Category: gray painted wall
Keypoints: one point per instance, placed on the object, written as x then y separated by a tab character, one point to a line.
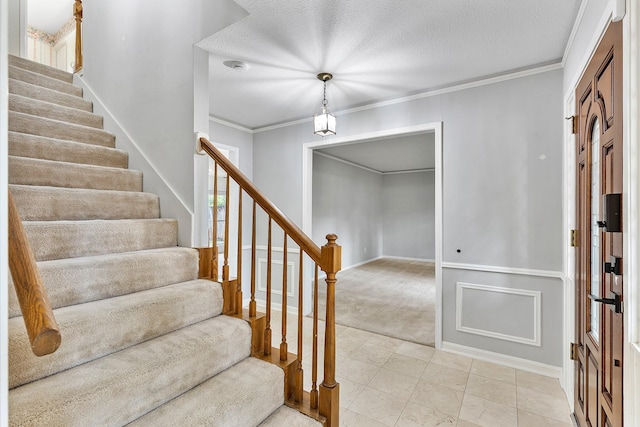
145	77
408	206
347	201
502	186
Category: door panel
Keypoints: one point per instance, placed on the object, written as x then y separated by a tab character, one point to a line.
599	157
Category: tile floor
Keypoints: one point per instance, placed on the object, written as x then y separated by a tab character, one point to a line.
390	382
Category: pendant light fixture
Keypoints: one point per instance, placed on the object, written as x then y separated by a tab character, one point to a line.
324	123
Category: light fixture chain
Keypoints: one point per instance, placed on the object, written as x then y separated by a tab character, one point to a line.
324	98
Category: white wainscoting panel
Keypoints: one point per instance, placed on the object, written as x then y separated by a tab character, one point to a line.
503	313
292	280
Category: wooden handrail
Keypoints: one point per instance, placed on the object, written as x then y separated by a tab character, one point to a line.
77	13
39	320
292	230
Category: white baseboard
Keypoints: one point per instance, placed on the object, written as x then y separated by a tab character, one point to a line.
504	360
403	258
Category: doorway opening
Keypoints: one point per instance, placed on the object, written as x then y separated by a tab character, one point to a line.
426	131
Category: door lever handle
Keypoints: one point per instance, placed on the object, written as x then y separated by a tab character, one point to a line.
615	301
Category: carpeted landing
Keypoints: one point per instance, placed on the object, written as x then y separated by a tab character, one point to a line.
387	296
143	339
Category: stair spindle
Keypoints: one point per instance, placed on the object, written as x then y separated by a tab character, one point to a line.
252	304
314	357
267	330
214	226
239	268
225	266
299	372
283	345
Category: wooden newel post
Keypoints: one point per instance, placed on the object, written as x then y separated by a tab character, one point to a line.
331	257
77	13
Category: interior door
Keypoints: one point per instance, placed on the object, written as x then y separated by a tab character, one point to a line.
599	323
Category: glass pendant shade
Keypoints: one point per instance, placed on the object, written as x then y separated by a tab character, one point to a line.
324	123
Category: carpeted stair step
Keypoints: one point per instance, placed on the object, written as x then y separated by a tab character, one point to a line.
44	81
40	147
71	239
72	175
80	280
286	416
52	111
123	386
36	67
36	203
32	91
34	125
98	328
243	395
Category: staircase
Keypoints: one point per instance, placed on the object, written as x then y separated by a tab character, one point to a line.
144	340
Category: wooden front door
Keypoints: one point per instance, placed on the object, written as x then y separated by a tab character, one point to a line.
599	334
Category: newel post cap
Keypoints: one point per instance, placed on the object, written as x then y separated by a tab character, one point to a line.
331	255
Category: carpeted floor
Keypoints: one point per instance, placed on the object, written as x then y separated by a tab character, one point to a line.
390	297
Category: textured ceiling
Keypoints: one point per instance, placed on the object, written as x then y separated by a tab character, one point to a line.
49	15
397	154
376	50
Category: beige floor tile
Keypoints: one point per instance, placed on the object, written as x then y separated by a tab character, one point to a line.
538	382
419	416
349	391
436	396
357	371
394	383
493	371
486	413
495	391
406	365
452	360
464	423
450	377
353	419
379	406
373	354
528	419
385	343
543	403
417	351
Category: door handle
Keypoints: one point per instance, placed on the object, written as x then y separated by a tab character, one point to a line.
616	301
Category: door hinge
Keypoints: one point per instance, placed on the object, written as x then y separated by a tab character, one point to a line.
574	124
574	239
574	351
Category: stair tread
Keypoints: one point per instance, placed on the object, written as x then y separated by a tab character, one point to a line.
121	387
36	67
43	80
42	203
39	108
243	395
52	173
42	147
80	280
285	416
34	125
71	239
33	91
124	321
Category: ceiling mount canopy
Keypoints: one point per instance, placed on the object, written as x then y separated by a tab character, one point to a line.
324	123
